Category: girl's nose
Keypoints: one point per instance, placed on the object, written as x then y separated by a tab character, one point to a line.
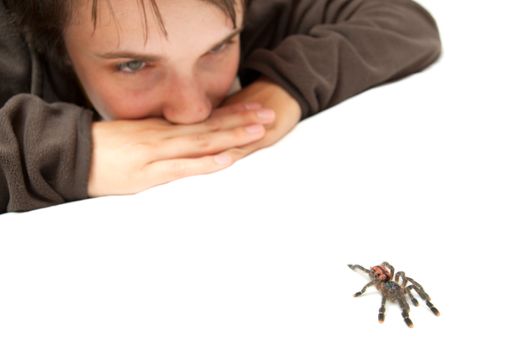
186	103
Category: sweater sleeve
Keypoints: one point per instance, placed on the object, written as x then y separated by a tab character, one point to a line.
44	153
45	148
325	51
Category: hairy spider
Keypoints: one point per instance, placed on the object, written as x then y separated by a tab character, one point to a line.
381	278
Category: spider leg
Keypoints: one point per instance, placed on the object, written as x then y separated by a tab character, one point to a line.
419	289
359	267
364	289
412	299
405	310
381	315
401	275
390	267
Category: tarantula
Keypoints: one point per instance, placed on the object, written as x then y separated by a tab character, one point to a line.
381	276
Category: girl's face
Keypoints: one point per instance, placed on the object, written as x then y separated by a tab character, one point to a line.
131	70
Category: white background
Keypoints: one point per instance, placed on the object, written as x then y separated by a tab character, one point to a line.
426	173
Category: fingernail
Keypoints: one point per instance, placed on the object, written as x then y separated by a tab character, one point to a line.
254	129
266	114
223	159
252	105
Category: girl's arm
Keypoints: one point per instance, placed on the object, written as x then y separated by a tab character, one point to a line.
325	51
44	153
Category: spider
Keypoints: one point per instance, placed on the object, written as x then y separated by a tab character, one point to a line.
381	276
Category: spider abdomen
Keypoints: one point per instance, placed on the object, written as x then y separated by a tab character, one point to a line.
391	290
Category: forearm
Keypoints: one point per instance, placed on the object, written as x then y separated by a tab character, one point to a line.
349	47
45	152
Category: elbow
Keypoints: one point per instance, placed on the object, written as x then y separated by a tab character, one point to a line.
427	28
419	28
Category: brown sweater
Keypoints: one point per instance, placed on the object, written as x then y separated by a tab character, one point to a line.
321	51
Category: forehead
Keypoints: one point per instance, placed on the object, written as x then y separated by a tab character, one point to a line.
145	10
121	23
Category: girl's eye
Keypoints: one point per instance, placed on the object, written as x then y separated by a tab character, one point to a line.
131	66
222	47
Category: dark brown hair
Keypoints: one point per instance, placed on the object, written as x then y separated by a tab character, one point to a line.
43	21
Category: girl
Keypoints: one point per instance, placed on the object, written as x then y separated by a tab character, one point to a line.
116	96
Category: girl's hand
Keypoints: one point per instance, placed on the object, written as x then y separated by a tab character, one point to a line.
274	97
132	155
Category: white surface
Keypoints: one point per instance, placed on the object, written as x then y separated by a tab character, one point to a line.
426	173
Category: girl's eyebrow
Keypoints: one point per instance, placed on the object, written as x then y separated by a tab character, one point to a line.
129	54
153	58
227	38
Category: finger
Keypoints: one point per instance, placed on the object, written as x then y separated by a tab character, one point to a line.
198	145
221	120
274	133
169	170
235	108
271	136
228	118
